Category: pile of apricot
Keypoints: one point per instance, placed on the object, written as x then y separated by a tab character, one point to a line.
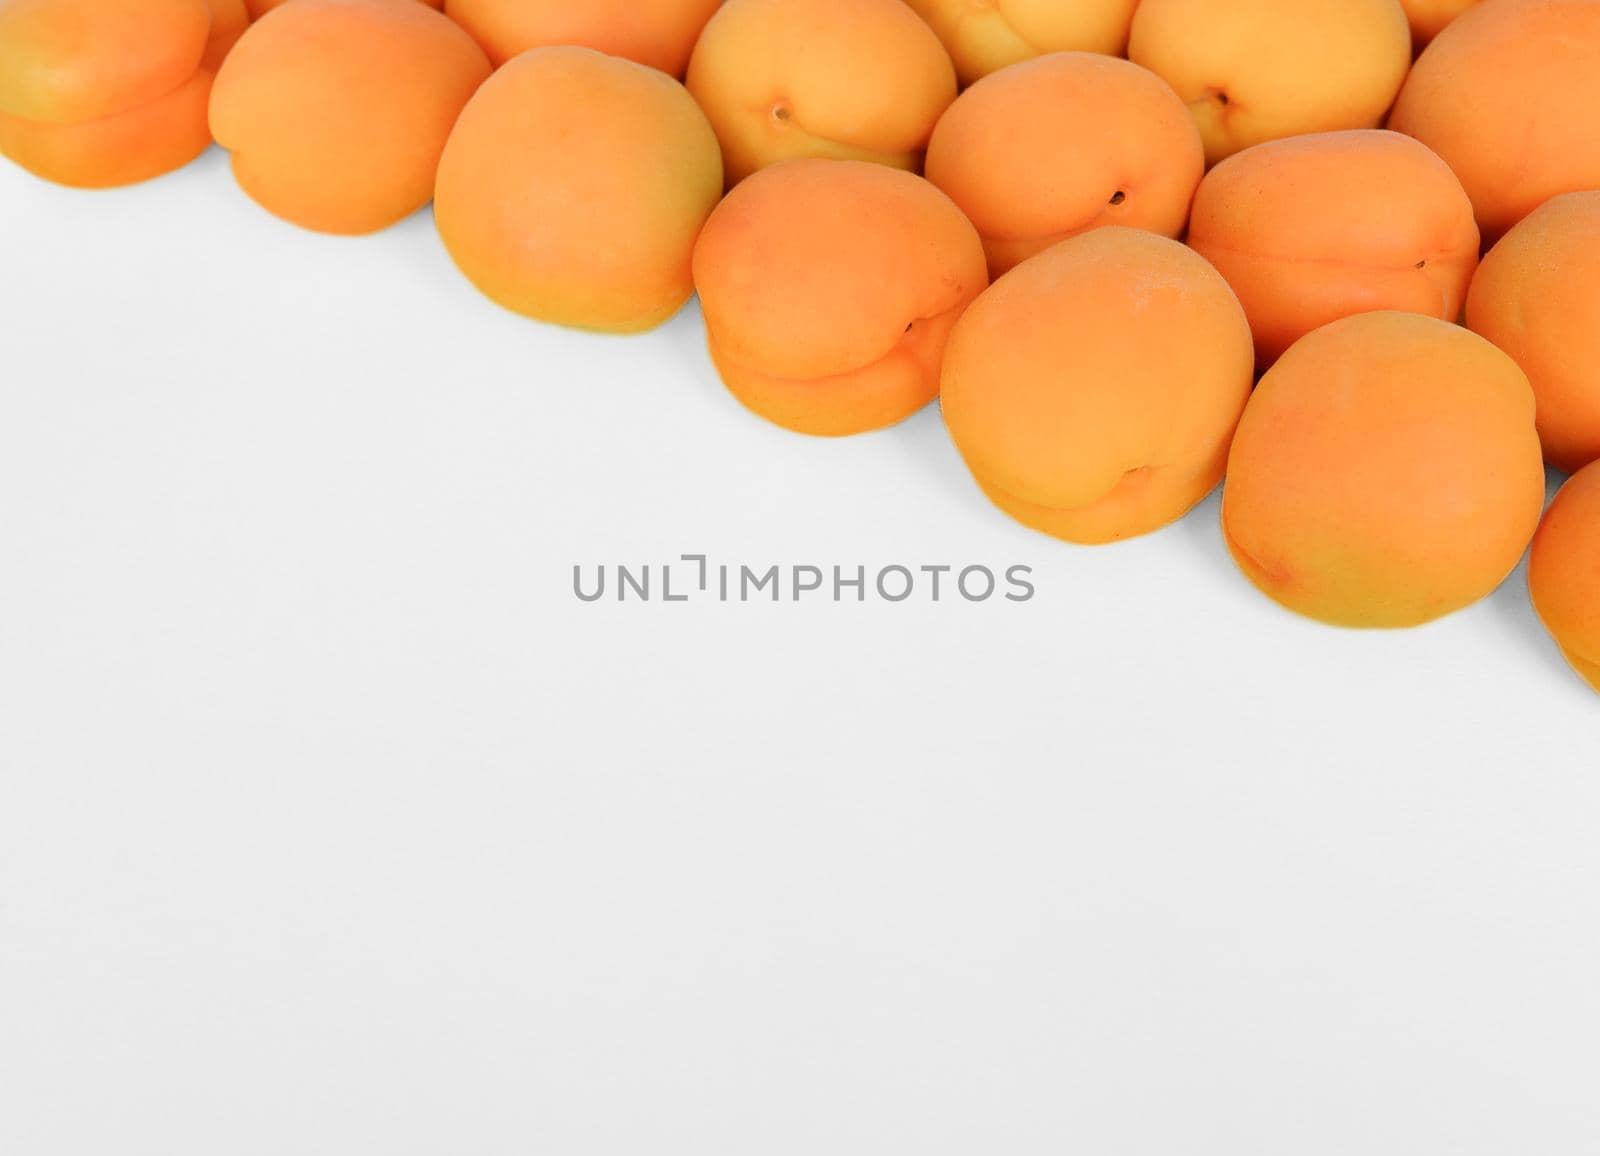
1340	256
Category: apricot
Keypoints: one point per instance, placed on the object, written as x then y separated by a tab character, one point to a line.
336	111
1314	228
660	33
829	289
1537	296
1092	390
1386	472
984	37
66	61
1564	572
1429	17
849	79
1507	96
573	189
1058	145
259	8
229	19
1256	70
122	149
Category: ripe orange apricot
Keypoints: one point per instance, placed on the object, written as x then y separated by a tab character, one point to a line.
336	111
573	189
869	84
829	289
1092	390
1256	70
122	149
259	8
1564	572
66	61
229	19
1429	17
660	33
1314	228
1537	296
138	143
1055	146
1386	472
986	37
1507	96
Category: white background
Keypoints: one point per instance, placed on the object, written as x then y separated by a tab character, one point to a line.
331	822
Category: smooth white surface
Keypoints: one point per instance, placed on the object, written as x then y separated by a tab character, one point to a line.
331	823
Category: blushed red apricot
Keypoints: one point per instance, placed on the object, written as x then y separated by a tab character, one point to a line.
1092	390
1256	70
1314	228
65	61
829	289
849	79
1386	472
573	189
660	33
1537	296
1429	17
1507	96
336	111
1061	144
986	37
1564	572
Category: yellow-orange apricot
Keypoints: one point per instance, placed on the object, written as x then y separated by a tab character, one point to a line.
1055	146
259	8
985	37
1386	472
1092	390
1429	17
1314	228
1537	296
1564	572
849	79
229	19
573	189
121	149
1256	70
660	33
829	289
1507	96
336	111
65	61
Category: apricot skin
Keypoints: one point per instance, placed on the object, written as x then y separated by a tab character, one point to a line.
1092	390
1256	70
259	8
829	289
1537	296
1430	17
1386	473
1314	228
660	33
573	189
68	61
984	38
1055	146
1564	572
137	144
1507	96
336	111
870	85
